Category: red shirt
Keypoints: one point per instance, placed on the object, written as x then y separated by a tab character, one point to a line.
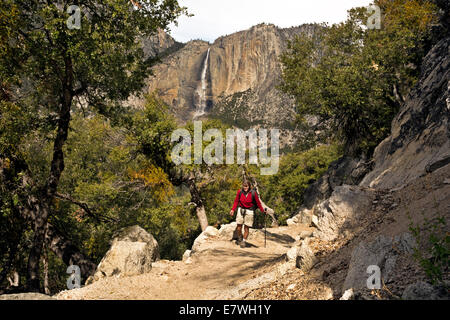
246	200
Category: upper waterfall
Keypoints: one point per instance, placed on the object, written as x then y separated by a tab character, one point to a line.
201	90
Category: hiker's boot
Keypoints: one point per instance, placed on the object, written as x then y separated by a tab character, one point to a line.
240	239
243	243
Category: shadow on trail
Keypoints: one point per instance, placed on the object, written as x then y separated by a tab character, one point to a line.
280	238
231	266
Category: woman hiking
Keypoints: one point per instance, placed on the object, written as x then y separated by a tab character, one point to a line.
246	202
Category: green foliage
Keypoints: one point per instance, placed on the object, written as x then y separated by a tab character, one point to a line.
152	130
433	249
233	109
219	193
358	78
117	173
284	190
54	73
173	227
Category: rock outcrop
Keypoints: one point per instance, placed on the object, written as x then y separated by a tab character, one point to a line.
420	134
159	44
346	170
342	211
383	253
132	252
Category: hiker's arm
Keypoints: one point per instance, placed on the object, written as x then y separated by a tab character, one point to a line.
236	201
259	202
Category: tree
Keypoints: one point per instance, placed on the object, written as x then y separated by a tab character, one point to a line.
53	70
355	77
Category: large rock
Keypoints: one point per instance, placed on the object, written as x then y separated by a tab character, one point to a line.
226	230
382	252
420	133
202	239
132	252
304	216
342	211
346	170
425	291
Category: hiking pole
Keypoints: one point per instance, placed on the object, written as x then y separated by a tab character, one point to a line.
265	230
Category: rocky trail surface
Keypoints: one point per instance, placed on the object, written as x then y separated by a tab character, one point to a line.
218	269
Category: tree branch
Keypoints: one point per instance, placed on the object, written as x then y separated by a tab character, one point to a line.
85	207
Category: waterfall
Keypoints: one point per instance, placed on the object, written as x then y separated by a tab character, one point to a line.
201	90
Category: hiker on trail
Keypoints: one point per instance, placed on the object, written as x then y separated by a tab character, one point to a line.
246	202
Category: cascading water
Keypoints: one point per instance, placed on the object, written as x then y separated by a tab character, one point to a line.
201	90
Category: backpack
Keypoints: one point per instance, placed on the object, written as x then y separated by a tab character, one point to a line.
253	208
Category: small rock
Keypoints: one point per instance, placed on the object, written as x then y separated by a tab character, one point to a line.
447	181
305	234
315	221
225	229
291	287
286	267
291	254
290	222
328	294
348	295
305	257
211	231
186	255
393	206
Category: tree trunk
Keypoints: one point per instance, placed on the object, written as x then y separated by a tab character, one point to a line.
60	245
45	262
202	218
196	199
40	220
56	168
68	252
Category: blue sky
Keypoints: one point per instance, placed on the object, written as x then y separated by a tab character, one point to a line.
214	18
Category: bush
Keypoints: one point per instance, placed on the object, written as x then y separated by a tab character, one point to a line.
433	250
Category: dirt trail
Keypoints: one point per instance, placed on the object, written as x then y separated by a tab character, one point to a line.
220	270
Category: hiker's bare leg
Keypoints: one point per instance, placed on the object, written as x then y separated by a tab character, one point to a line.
239	229
246	230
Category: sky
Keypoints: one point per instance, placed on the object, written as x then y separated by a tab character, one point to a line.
215	18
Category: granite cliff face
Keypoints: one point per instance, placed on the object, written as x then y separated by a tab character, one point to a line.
243	70
177	77
420	136
158	44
